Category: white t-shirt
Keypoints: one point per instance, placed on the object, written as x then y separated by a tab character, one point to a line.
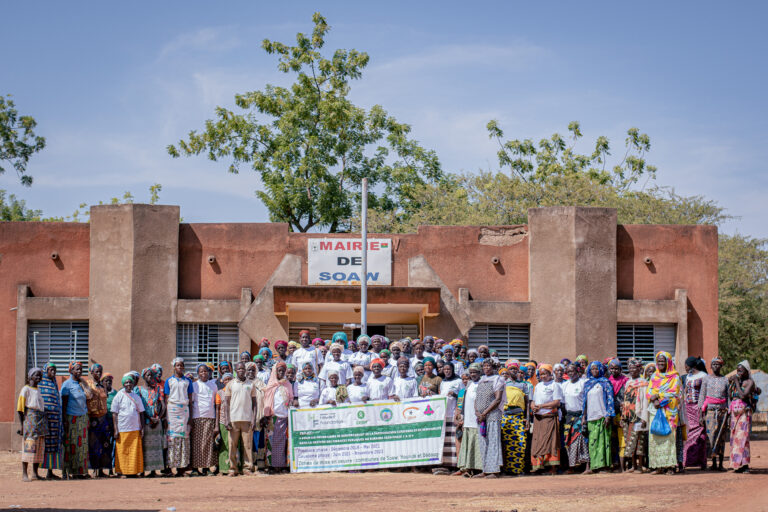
328	395
205	394
458	367
595	403
279	405
127	406
574	395
390	370
178	390
470	416
446	387
263	375
345	355
240	399
343	368
381	388
308	390
362	359
546	392
32	398
432	355
405	388
356	393
304	355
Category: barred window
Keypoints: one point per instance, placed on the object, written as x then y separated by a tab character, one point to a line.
57	342
207	343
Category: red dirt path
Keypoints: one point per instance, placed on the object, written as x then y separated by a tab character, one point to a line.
391	492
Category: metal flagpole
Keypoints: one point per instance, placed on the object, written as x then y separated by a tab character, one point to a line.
364	277
34	345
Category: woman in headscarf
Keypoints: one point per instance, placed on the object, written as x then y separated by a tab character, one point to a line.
713	402
293	346
224	367
545	444
363	357
203	432
278	396
663	396
340	338
31	411
514	420
334	393
471	449
695	447
429	383
632	412
128	418
380	387
99	424
179	397
281	351
266	353
598	412
472	355
449	388
575	441
49	391
618	380
308	388
358	390
259	368
245	356
74	394
649	370
741	390
488	406
342	367
154	411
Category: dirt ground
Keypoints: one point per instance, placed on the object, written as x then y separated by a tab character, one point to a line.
393	492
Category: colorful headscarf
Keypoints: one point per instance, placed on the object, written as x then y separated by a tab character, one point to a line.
264	351
364	337
157	368
604	383
246	353
476	366
316	342
126	378
380	361
718	359
456	342
294	344
385	354
429	359
73	365
617	382
667	386
512	362
446	348
340	337
281	343
32	371
546	366
264	342
94	366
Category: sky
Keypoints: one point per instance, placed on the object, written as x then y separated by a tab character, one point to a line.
112	84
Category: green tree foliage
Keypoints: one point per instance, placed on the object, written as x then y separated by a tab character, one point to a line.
743	267
312	146
12	209
18	141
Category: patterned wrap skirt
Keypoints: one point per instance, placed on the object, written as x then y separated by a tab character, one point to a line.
129	455
695	447
100	442
33	443
717	431
513	443
741	424
277	445
152	446
575	443
471	452
662	451
545	443
634	439
449	446
54	454
599	443
178	435
75	445
201	441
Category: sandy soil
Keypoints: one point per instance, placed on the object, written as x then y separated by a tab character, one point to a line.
392	492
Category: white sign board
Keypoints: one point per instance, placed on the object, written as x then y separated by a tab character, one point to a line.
339	261
376	435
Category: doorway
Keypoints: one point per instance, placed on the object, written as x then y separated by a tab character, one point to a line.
372	329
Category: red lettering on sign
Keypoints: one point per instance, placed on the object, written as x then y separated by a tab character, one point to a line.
326	246
374	246
339	246
357	246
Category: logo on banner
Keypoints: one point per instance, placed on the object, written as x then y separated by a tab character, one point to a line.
360	414
411	413
386	414
428	411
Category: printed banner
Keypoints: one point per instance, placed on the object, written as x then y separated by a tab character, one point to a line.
339	261
367	436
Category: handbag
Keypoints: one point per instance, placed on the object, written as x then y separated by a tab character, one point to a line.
660	425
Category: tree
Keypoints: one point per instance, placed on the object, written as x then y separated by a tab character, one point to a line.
315	146
16	210
18	141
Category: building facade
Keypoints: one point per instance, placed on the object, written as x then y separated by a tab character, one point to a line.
134	286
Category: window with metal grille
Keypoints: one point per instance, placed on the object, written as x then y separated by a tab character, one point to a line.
510	341
207	343
57	342
644	341
399	331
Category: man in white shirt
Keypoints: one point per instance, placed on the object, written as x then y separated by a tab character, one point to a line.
244	400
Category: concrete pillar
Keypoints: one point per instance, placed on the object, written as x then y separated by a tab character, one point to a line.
133	285
572	276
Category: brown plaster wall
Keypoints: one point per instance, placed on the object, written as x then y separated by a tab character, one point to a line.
25	258
683	257
248	254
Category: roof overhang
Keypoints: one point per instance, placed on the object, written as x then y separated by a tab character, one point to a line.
343	298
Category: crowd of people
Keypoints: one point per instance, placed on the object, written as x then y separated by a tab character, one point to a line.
502	417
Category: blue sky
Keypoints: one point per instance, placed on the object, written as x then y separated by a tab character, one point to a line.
112	84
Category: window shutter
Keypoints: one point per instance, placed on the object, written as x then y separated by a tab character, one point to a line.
57	342
509	340
644	340
207	343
